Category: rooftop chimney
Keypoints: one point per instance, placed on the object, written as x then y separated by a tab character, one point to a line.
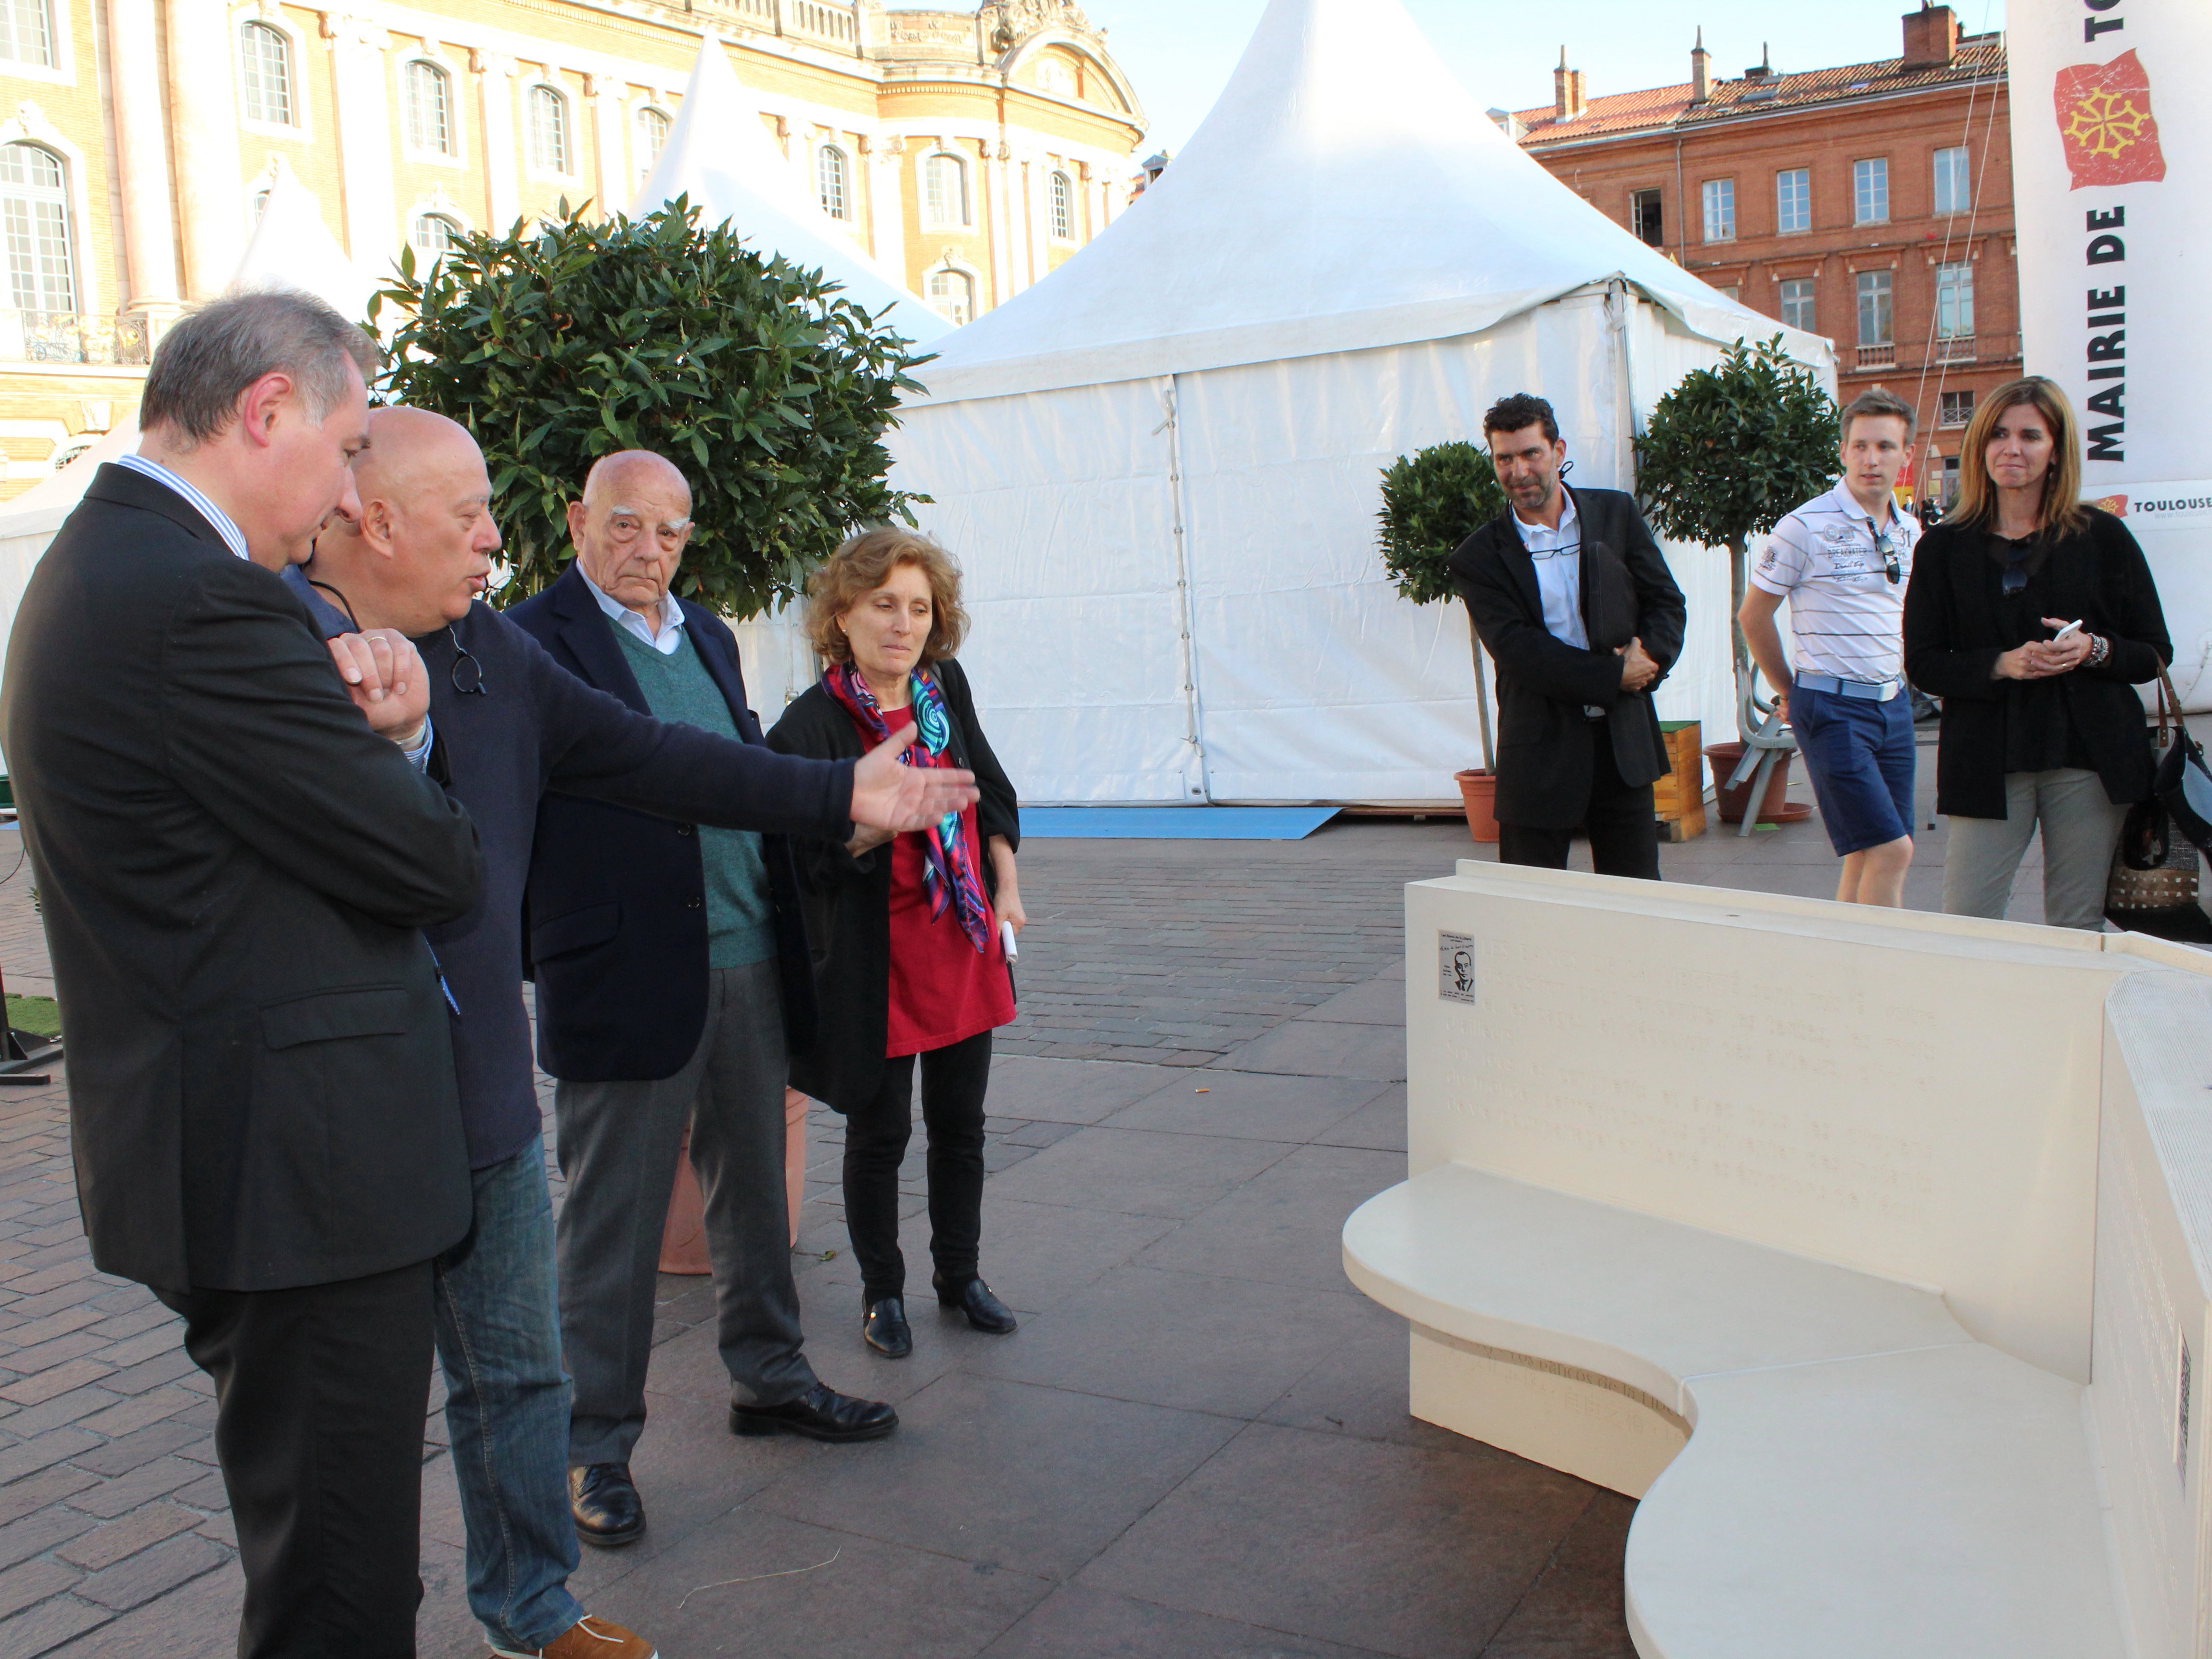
1763	69
1931	37
1701	77
1568	103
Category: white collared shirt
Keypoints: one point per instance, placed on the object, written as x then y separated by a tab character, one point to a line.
1557	555
1846	617
664	639
232	536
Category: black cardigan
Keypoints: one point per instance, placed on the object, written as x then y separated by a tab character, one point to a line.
1952	639
847	900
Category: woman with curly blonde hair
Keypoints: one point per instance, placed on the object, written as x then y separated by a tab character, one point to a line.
909	959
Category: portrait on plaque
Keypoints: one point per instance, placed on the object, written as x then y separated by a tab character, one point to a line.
1456	967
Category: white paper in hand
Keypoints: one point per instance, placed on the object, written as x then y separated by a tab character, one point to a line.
1006	941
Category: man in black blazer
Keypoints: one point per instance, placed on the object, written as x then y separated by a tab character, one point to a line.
234	869
1574	601
674	979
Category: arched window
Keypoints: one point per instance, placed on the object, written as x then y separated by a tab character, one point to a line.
1063	208
652	138
27	32
266	62
429	108
953	292
944	189
35	217
830	182
549	130
435	235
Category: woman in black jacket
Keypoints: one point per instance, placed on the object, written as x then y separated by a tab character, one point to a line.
2034	618
908	955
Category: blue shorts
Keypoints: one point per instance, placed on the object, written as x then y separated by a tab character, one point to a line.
1860	757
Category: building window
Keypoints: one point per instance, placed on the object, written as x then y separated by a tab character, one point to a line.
1063	208
1793	199
1953	192
1955	301
1870	192
549	130
652	137
1797	303
429	108
1954	407
953	292
1720	210
830	182
267	58
27	32
34	209
435	235
1644	219
1875	323
944	189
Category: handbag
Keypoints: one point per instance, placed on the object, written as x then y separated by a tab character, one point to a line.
2152	888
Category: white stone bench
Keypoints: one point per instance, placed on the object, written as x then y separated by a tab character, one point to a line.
1861	1477
1802	1225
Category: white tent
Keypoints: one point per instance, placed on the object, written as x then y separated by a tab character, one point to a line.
1160	467
721	156
291	248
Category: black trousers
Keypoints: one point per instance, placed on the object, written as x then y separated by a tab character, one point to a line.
954	1080
1622	822
321	1394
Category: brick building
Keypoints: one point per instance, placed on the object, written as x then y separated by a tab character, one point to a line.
1871	203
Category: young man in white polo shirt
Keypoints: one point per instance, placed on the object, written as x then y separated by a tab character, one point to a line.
1841	561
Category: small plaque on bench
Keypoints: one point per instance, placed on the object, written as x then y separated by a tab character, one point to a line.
1456	967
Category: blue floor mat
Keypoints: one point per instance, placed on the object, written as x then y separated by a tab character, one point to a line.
1173	822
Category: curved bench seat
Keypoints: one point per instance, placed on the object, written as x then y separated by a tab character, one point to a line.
1862	1478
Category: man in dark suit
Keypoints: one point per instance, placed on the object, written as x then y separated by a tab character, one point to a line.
1571	597
234	869
674	978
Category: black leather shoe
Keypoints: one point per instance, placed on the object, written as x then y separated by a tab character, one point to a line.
883	1326
604	1500
820	1413
984	1310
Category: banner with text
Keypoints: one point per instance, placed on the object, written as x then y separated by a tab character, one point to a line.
2111	135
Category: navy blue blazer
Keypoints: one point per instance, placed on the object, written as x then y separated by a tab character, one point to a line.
615	929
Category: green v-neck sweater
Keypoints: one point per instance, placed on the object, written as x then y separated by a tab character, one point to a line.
740	926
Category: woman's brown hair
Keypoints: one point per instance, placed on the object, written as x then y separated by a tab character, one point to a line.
864	564
2062	513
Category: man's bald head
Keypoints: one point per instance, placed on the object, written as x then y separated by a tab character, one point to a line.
420	551
631	527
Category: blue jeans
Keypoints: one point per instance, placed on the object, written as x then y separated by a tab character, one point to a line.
506	1407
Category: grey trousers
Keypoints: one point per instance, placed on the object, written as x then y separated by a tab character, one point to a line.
2081	827
618	1145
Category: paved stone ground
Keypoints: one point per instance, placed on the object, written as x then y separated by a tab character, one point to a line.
1197	1444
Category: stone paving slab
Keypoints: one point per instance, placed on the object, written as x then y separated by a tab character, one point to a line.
1197	1445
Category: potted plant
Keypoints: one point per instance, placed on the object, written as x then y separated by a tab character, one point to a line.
1432	501
1724	456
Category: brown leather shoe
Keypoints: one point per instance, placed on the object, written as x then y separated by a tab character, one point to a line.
587	1638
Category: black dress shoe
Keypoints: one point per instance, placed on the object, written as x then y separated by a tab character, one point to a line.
883	1326
820	1413
604	1500
974	1297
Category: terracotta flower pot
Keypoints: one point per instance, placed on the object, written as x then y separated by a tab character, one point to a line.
1478	790
1776	808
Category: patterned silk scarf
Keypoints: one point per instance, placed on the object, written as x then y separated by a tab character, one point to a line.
948	867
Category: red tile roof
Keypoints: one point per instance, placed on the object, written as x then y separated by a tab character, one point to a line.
1980	56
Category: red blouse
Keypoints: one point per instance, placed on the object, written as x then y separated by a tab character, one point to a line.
942	991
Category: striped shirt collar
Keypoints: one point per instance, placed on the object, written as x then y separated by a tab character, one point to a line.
232	536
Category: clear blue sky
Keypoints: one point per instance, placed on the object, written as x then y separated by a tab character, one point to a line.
1179	52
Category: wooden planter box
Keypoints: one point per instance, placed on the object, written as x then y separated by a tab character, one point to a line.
1680	797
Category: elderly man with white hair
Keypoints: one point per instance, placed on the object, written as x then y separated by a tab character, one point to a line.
413	556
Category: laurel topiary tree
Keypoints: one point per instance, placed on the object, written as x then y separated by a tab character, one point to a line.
764	382
1726	454
1432	501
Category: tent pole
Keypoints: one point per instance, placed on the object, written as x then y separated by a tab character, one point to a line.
1482	700
1193	708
